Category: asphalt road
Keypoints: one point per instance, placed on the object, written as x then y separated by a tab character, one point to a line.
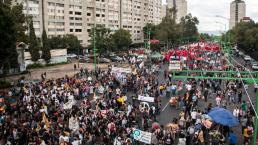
168	112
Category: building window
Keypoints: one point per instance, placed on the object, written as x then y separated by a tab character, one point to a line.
78	30
97	15
78	24
78	13
78	18
71	30
88	14
71	18
70	12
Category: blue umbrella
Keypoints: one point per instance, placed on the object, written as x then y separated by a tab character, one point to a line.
223	116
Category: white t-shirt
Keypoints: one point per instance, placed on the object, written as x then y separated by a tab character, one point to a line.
76	142
193	114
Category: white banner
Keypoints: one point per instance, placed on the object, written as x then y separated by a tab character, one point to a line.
142	136
146	98
121	70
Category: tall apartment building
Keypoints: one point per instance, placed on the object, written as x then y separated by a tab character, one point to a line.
181	7
237	12
163	11
78	17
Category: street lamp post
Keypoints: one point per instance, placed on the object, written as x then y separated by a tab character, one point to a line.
228	20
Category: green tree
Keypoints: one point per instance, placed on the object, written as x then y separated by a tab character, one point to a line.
20	19
189	28
205	36
122	39
33	43
8	53
45	47
72	43
149	28
103	39
57	43
168	31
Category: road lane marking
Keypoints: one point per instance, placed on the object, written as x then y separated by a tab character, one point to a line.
165	107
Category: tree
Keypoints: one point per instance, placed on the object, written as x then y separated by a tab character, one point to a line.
20	24
122	39
45	47
72	43
149	28
103	39
168	31
189	28
33	43
204	36
8	53
57	43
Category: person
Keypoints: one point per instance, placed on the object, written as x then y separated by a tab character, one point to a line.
168	140
236	112
205	94
240	95
243	108
246	136
232	138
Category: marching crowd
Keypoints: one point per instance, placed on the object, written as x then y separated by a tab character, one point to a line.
101	108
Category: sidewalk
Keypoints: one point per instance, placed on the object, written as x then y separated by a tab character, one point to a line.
55	71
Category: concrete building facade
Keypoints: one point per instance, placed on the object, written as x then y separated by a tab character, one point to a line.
237	12
61	17
181	8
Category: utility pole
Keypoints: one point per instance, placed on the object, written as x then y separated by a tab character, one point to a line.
256	119
94	39
94	47
149	42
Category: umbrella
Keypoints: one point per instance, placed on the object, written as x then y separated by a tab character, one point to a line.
155	126
223	116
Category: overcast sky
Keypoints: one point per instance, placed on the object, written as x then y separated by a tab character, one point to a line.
206	10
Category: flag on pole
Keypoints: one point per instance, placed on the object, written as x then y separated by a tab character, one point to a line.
45	120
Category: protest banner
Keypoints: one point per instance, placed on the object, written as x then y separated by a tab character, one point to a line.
142	136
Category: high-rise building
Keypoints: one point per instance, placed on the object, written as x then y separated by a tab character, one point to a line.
163	11
237	12
61	17
180	6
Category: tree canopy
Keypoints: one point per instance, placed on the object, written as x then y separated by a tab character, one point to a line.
168	31
34	45
103	39
45	47
122	39
245	35
8	53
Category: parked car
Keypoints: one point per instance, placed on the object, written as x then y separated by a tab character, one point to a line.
71	55
255	66
84	59
247	58
116	58
252	61
241	53
103	60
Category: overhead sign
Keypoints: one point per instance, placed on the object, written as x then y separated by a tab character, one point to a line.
142	136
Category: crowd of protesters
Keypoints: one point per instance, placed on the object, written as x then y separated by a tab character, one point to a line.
101	108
